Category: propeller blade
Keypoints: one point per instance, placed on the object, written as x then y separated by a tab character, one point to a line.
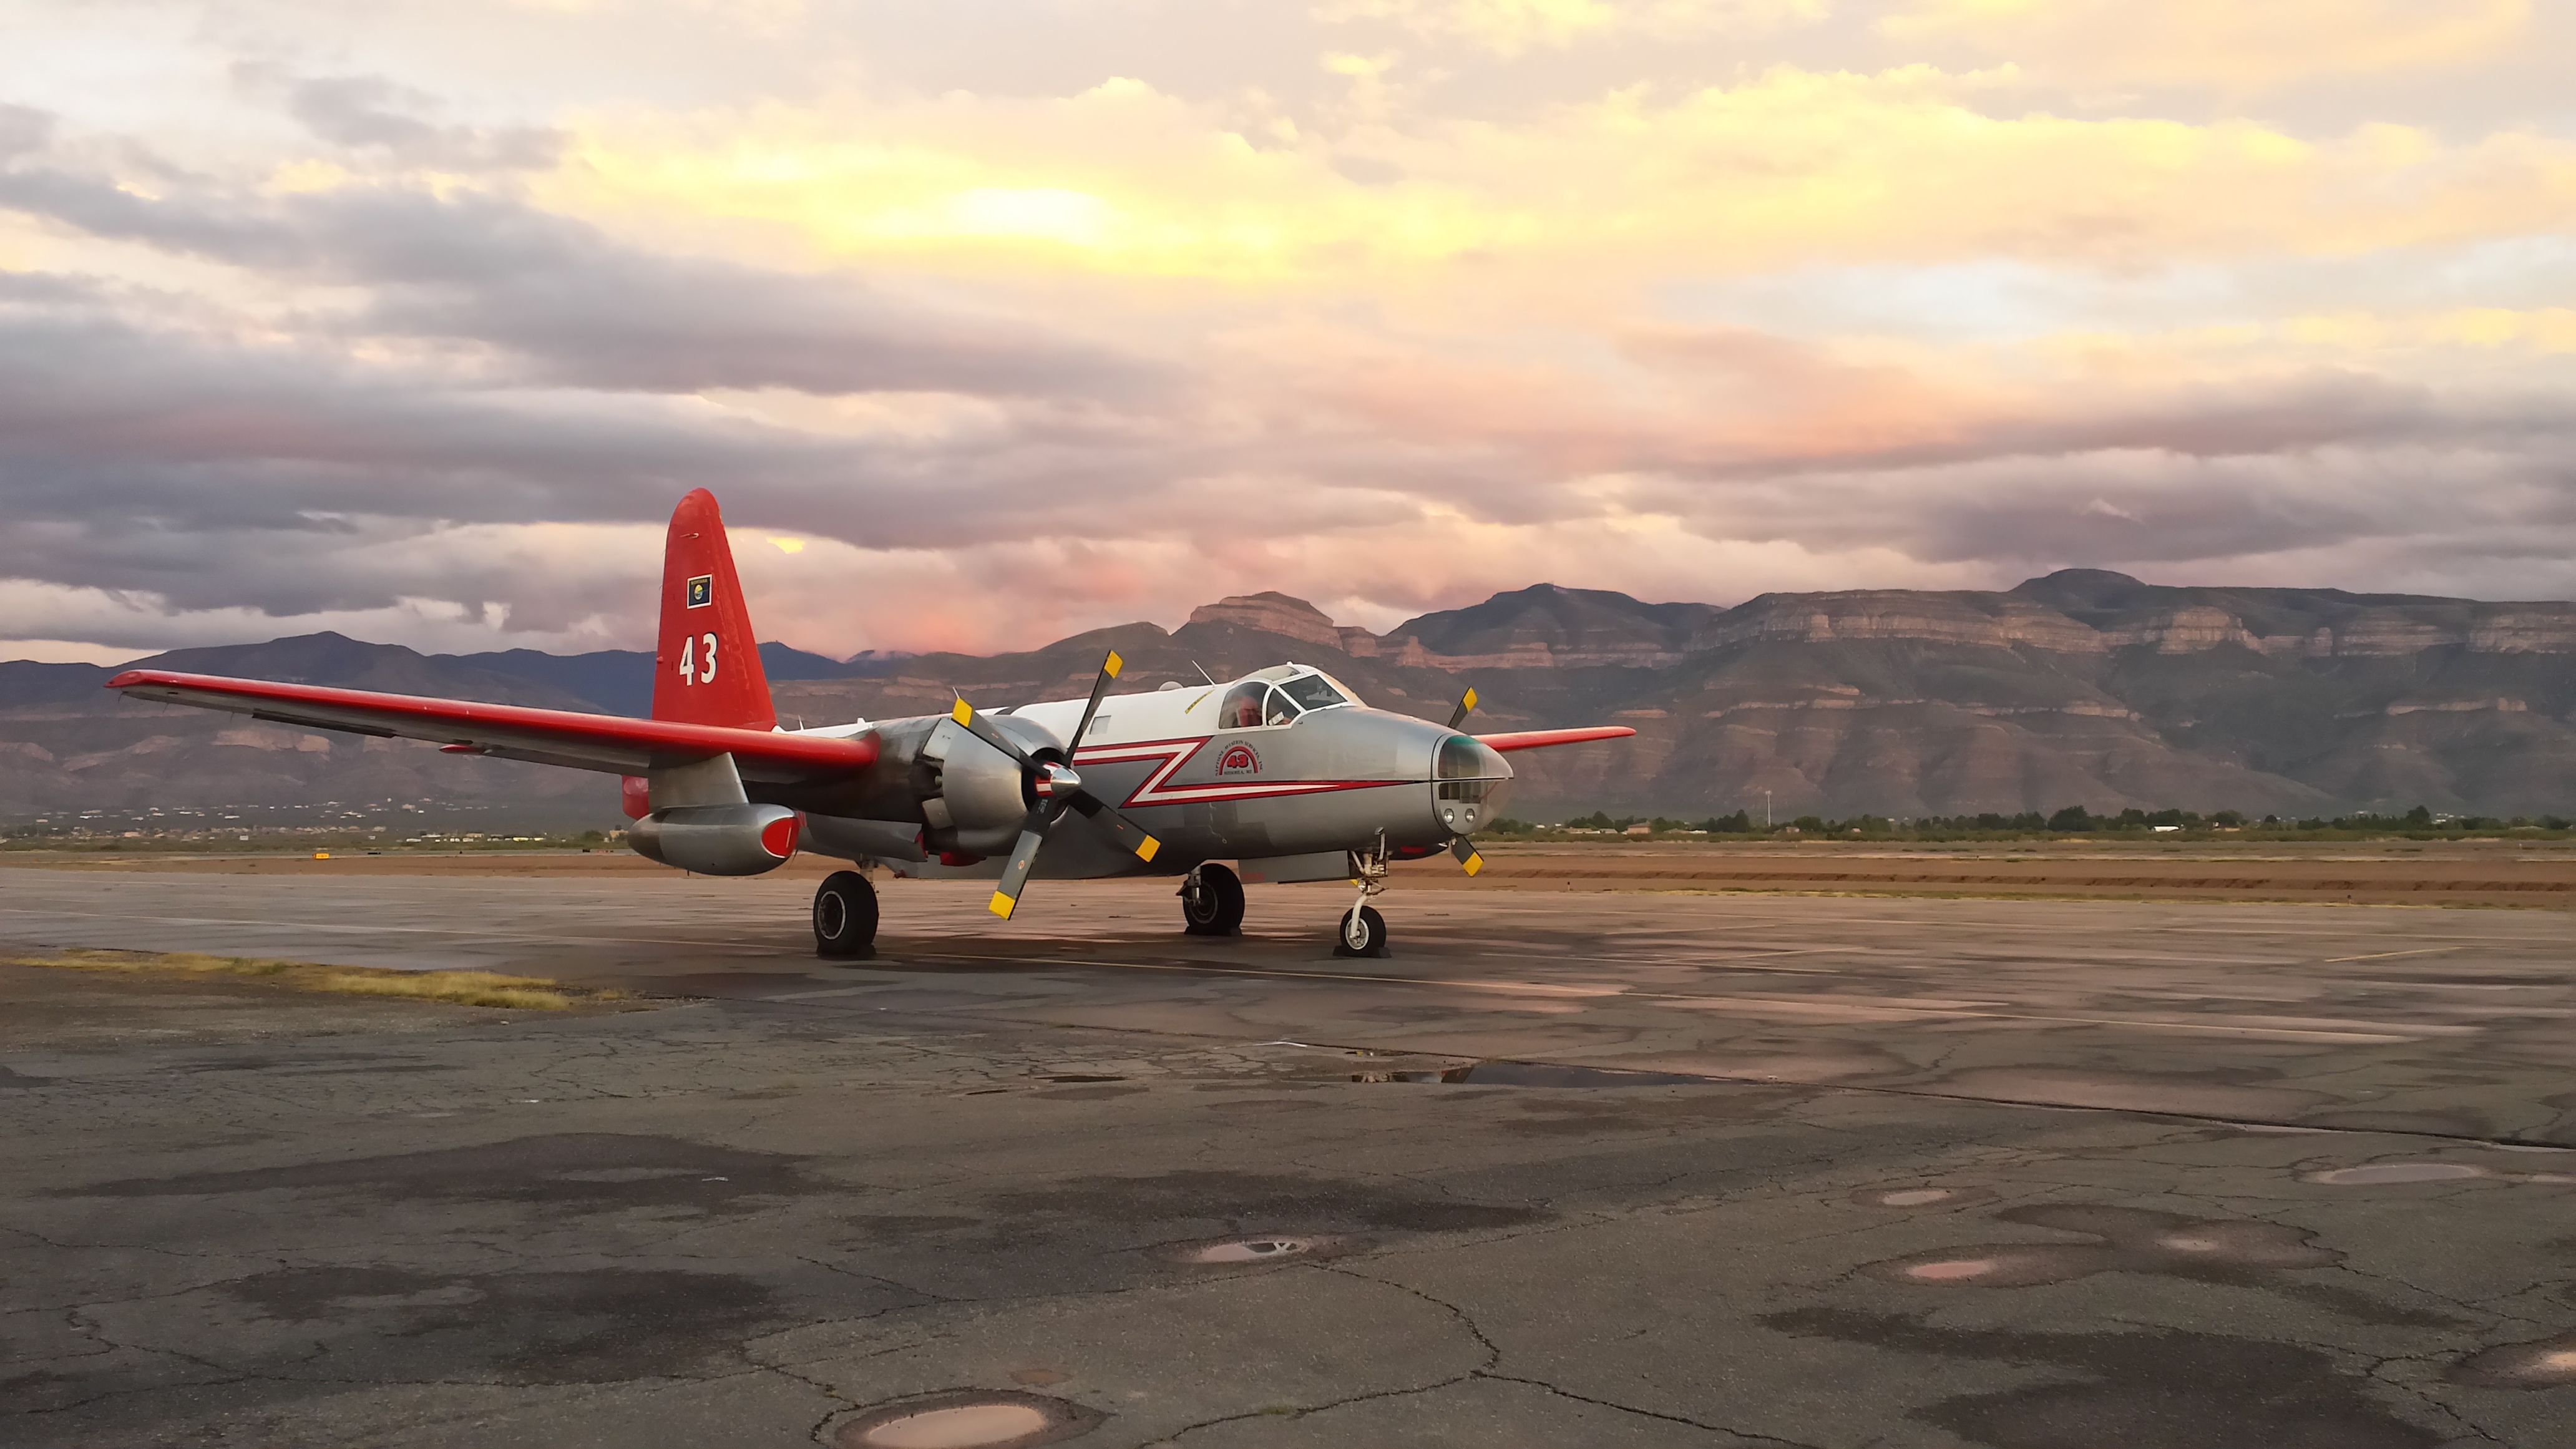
981	728
1466	707
1024	857
1129	835
1109	668
1465	850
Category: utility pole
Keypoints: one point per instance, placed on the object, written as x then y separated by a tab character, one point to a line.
1766	809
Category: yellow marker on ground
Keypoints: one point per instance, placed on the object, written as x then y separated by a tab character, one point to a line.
1002	905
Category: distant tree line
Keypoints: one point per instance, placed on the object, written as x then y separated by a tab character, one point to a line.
2073	820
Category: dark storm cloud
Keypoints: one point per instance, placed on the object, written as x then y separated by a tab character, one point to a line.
160	457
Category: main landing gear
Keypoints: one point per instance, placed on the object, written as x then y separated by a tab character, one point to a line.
1212	902
845	917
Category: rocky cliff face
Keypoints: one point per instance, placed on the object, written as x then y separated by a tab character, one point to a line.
2079	688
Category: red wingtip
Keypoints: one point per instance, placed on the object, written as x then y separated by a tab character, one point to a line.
129	677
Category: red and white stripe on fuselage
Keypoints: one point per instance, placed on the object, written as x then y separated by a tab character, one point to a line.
1172	755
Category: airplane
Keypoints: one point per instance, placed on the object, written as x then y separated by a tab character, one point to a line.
1284	772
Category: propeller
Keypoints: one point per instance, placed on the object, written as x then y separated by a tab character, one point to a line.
1465	849
1459	845
1058	789
1466	707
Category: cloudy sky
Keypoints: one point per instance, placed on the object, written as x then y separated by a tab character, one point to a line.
989	320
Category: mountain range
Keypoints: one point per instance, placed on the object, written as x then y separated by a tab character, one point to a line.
2082	687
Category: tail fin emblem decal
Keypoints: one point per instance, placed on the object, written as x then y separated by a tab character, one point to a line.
702	591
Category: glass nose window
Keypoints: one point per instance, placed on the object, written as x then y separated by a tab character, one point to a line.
1468	769
1242	707
1283	710
1463	757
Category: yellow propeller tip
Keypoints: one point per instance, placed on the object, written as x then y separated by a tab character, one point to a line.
1146	850
1473	864
1470	700
1003	905
964	713
1112	664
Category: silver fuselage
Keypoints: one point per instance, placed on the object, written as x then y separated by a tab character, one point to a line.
1337	779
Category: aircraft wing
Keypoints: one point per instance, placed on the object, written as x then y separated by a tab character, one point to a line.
612	744
1541	739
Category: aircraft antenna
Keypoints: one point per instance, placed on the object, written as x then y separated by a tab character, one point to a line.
1202	669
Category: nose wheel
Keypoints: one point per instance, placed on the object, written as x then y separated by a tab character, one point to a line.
1362	933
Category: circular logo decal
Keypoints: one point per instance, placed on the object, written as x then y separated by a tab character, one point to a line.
1238	759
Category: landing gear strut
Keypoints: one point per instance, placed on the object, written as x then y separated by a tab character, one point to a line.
1212	902
1362	931
845	917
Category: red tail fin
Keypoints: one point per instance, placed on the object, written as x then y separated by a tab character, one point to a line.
706	669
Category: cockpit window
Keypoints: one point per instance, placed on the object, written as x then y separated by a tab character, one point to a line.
1313	691
1283	710
1242	707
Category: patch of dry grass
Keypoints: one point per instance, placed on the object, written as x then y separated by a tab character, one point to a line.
461	988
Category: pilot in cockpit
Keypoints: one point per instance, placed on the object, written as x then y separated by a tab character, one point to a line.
1242	708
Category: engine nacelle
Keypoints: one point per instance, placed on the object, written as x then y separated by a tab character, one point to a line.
976	795
718	839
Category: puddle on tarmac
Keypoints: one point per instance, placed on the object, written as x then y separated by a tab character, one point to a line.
2129	1240
1534	1074
2547	1364
2377	1174
1260	1248
1252	1250
1921	1195
968	1420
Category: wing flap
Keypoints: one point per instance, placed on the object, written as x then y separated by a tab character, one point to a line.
611	744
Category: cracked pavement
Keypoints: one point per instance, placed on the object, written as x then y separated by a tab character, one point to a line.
2022	1175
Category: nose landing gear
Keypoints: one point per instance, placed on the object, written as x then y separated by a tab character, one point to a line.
1362	931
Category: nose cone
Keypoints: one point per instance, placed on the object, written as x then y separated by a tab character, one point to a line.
1469	784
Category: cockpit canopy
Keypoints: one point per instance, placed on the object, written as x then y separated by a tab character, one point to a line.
1278	695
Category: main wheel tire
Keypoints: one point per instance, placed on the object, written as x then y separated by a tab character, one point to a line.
1360	933
1212	902
845	917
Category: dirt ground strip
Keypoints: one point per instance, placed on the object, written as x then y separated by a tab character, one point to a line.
1570	1168
2538	874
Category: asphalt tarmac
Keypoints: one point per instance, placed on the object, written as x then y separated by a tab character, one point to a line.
1567	1169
